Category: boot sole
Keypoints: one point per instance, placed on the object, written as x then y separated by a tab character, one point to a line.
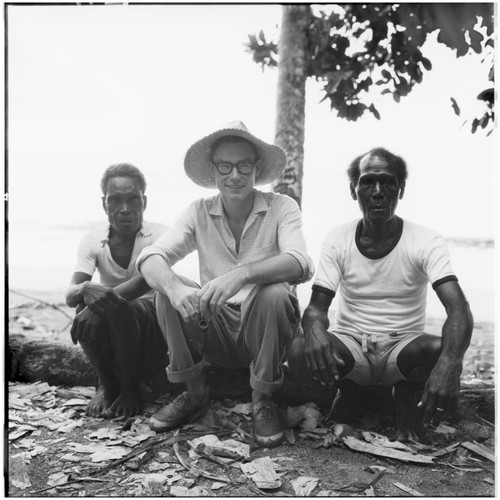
270	441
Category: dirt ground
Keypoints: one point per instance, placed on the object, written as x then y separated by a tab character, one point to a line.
54	450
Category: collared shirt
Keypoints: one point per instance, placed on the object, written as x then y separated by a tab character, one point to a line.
94	253
274	227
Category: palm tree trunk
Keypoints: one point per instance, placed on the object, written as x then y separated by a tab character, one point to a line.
291	97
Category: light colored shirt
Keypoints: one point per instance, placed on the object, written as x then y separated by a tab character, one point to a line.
94	254
387	294
274	227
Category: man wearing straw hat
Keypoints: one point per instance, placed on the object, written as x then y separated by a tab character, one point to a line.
250	248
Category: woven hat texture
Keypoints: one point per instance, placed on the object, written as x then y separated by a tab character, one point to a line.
197	162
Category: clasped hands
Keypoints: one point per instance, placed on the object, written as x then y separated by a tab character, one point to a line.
90	319
196	303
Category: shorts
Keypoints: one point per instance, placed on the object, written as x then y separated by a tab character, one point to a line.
375	356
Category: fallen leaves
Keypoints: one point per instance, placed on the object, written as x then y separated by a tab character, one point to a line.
263	473
382	451
216	458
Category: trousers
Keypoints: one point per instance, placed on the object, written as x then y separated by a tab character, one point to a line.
255	335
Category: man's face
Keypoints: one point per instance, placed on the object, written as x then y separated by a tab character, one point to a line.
124	203
377	190
234	186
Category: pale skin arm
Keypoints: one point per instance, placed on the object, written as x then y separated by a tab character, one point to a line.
443	385
320	352
277	269
161	278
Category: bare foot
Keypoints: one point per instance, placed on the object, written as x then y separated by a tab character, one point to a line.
100	402
409	422
128	403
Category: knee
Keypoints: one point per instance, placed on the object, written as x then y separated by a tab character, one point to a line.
295	351
418	358
273	295
162	302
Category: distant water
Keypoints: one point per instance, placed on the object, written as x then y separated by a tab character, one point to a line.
41	258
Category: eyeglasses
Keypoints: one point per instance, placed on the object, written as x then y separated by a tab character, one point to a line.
225	168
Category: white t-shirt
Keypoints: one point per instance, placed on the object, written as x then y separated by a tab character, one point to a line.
387	294
94	253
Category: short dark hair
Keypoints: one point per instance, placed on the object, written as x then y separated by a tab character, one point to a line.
395	161
232	139
123	170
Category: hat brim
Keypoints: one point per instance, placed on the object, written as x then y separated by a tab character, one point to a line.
198	163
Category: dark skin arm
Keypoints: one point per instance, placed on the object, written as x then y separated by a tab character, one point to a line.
98	297
443	385
321	355
92	300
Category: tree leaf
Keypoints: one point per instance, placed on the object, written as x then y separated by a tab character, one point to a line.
455	106
426	63
374	111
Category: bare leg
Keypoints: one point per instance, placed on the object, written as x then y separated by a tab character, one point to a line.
125	339
415	362
101	359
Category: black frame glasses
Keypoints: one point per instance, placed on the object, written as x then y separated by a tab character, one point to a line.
226	167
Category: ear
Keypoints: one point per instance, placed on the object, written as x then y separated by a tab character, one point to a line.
145	198
258	164
103	199
402	190
354	196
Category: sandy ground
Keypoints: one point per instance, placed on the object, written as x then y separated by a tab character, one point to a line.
55	450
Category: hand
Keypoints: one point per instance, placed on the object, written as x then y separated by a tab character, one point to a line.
184	299
441	391
100	299
216	292
321	356
87	325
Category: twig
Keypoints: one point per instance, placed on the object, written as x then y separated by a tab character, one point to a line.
54	306
209	456
361	486
486	421
196	470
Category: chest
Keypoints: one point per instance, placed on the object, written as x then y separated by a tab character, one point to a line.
121	251
236	228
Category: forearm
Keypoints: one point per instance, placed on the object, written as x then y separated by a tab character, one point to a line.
158	274
313	317
74	295
133	288
282	268
456	335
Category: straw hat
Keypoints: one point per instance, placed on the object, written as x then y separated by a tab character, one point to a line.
198	159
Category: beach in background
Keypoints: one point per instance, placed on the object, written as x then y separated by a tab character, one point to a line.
41	259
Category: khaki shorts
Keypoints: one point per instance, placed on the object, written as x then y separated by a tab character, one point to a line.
375	356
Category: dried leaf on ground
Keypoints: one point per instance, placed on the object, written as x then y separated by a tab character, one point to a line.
182	491
480	450
445	429
262	471
57	479
380	440
109	453
356	444
18	471
303	486
409	490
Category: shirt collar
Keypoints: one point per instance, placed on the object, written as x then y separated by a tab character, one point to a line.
260	204
144	231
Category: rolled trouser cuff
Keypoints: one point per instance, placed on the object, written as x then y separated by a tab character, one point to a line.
179	376
264	386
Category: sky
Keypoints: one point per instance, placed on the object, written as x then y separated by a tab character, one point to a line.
93	85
